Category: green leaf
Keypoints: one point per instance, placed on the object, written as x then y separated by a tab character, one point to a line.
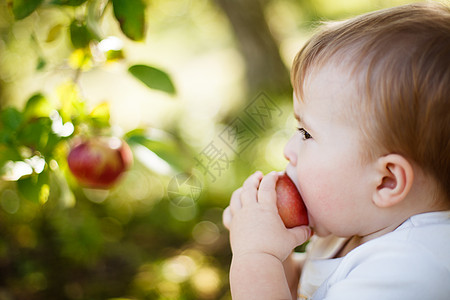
80	35
35	188
37	106
68	2
165	147
8	153
23	8
153	78
36	133
41	64
54	33
100	115
138	136
131	16
72	106
11	118
95	11
114	55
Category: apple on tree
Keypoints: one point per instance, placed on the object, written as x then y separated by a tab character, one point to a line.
290	204
99	162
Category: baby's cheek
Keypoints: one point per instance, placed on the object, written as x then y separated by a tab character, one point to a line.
320	201
314	187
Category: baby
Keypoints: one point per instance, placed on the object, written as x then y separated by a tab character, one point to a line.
371	160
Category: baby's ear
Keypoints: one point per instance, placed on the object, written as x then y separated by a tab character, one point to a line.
395	177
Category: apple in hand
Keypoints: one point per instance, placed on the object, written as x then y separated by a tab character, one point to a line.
290	205
100	161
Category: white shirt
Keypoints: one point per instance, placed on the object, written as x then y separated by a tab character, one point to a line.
412	262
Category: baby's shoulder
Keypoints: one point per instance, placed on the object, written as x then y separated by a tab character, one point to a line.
426	235
412	262
421	244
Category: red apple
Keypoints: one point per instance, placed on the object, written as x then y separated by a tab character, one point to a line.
99	162
290	204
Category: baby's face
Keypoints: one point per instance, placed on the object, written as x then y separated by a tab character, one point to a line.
325	157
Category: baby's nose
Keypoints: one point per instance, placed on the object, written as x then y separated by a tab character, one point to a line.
290	150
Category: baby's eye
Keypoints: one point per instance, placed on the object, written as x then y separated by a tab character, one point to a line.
305	134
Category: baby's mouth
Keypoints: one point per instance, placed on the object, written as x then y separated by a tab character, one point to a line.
292	173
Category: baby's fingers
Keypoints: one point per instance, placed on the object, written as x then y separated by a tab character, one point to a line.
227	217
301	234
235	201
250	188
235	205
266	191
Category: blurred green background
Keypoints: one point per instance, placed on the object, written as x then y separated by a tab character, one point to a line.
200	91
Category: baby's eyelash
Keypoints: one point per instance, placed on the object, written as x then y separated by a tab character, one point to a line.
305	134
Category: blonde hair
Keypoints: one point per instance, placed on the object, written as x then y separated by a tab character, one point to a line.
400	60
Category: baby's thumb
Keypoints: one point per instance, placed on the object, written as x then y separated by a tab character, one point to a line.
301	234
226	217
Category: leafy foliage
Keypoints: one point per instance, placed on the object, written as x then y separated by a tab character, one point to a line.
59	240
68	2
131	16
80	35
23	8
153	78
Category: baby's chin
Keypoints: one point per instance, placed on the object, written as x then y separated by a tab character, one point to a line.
318	230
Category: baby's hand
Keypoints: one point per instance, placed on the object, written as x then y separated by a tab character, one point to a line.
254	223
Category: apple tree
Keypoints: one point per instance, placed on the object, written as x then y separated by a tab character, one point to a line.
35	139
54	153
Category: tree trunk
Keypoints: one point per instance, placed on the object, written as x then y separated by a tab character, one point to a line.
265	68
